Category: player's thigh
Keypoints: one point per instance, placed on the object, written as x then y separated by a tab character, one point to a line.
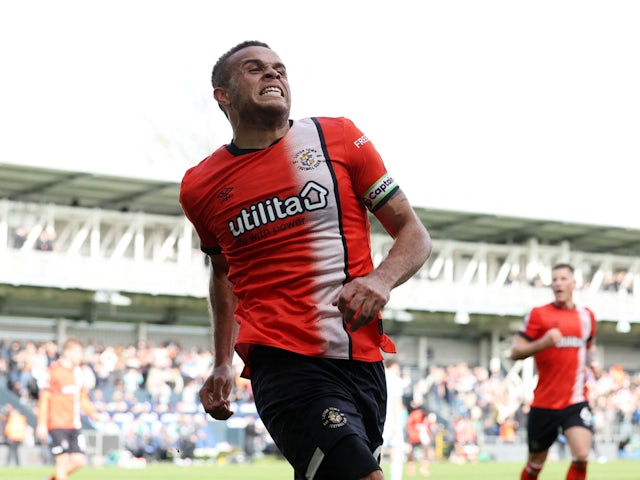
77	459
579	440
542	430
308	405
577	425
62	462
349	459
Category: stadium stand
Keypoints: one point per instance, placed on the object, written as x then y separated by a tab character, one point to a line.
149	393
112	261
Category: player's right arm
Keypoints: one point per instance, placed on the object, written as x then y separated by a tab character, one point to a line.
42	429
523	347
215	392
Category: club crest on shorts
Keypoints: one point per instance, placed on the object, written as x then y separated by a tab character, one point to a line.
333	418
586	416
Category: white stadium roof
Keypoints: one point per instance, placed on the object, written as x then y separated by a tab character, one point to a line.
93	190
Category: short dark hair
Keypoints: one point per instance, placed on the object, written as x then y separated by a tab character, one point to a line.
72	342
220	74
563	265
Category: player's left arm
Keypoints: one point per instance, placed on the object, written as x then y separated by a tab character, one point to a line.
592	356
42	426
412	242
99	416
362	299
593	359
87	406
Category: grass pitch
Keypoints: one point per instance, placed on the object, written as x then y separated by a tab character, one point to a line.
274	469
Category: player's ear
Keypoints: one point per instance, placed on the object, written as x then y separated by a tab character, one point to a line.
221	96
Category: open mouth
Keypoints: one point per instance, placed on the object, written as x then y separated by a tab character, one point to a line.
271	91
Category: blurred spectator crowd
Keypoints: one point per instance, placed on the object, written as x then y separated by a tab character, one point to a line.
45	241
150	395
617	281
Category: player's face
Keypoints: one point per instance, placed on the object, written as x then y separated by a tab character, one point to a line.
258	84
562	284
75	354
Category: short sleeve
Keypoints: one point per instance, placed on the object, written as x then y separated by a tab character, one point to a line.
371	181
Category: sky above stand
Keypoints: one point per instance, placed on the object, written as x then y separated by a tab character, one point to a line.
528	109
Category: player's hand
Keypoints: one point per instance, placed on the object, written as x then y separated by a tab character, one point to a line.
597	370
42	433
552	337
214	394
361	300
100	418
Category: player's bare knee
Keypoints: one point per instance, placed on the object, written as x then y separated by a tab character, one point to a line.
581	456
538	458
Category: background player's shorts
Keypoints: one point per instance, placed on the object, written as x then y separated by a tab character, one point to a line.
66	440
308	404
544	425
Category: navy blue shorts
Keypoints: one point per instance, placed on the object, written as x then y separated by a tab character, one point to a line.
544	425
66	440
308	404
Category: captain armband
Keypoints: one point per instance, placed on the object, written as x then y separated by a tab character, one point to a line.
381	191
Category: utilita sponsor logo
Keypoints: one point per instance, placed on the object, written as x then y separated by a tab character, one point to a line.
312	197
571	342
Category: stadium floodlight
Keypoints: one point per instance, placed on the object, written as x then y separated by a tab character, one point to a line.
462	318
623	326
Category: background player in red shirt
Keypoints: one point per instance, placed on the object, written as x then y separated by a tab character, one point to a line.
282	212
60	404
419	438
561	337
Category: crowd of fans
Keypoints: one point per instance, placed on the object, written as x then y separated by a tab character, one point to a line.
485	405
149	393
615	281
620	281
150	396
45	241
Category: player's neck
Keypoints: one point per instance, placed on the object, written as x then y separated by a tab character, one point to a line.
564	305
66	363
259	138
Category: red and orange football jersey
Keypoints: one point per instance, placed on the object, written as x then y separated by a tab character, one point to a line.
292	221
63	398
561	369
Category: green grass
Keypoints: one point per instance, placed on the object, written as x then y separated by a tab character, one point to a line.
272	469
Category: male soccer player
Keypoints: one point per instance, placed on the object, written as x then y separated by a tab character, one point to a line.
60	403
561	337
282	211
